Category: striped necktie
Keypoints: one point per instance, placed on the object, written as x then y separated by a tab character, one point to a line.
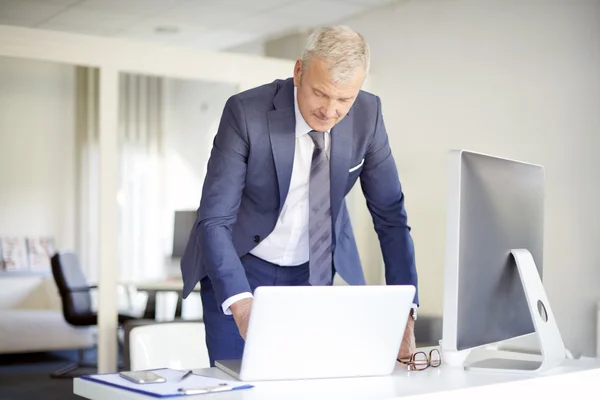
319	219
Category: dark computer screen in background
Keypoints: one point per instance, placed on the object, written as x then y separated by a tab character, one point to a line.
182	226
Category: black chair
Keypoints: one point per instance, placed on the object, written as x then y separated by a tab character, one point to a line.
75	294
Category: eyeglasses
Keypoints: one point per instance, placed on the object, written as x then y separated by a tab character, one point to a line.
421	360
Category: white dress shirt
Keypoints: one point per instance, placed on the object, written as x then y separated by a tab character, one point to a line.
288	245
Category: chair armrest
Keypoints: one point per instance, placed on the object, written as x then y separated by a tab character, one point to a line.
83	289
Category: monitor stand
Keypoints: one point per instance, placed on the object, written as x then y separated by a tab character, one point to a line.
553	351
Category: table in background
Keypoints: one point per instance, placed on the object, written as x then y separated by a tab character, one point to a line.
164	285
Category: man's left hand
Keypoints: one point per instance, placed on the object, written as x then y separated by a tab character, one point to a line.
407	348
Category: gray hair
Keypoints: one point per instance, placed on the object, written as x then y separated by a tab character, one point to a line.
341	47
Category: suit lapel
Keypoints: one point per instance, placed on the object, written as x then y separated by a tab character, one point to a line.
282	132
341	149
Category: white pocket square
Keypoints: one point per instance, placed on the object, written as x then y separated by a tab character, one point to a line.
358	166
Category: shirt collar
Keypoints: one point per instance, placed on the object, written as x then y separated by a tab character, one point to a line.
302	128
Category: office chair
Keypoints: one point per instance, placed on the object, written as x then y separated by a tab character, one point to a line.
75	294
177	345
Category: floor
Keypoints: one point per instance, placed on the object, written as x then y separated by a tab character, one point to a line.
25	376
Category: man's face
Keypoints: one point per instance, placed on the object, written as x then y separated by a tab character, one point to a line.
322	102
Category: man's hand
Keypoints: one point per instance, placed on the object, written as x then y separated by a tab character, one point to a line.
241	314
407	348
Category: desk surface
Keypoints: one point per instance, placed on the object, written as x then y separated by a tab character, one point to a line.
162	285
432	383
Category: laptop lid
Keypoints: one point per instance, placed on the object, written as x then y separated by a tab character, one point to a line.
304	332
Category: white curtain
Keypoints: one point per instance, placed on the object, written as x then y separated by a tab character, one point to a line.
141	200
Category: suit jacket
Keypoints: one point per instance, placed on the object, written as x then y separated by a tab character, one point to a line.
248	177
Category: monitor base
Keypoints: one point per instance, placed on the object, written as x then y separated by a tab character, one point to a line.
504	365
553	351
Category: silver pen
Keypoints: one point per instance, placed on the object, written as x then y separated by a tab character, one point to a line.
223	387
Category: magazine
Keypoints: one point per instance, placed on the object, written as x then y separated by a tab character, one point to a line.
13	254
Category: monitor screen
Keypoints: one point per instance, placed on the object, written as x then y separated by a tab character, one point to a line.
183	223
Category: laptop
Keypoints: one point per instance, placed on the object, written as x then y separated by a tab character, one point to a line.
306	332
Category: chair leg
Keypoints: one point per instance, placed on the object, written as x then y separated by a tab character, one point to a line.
64	372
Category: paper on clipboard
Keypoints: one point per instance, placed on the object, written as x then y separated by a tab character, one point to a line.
195	384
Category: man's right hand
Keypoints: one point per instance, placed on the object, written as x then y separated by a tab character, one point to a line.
241	314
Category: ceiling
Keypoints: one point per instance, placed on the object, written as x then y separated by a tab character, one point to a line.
202	24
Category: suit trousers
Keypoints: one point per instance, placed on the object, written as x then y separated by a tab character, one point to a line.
223	339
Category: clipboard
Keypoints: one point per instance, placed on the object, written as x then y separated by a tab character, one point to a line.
173	387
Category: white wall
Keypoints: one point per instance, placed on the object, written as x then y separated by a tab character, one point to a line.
37	149
514	78
255	48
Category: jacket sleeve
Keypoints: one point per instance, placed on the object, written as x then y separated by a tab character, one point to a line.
385	201
221	197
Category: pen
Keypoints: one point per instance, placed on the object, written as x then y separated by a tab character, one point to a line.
186	375
223	387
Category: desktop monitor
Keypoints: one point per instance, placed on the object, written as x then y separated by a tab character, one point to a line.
182	226
493	288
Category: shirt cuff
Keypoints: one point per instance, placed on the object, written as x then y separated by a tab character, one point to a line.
227	303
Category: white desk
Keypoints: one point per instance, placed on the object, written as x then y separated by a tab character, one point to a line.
444	382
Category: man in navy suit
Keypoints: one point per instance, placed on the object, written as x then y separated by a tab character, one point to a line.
272	210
